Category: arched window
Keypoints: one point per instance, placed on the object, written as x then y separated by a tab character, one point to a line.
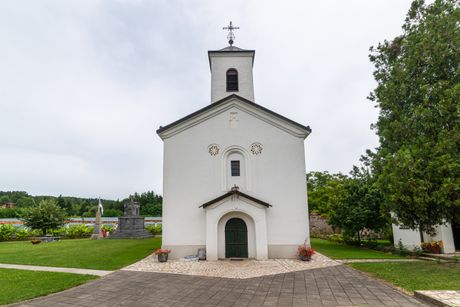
235	169
232	80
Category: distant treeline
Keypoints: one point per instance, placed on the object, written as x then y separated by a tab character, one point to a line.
151	204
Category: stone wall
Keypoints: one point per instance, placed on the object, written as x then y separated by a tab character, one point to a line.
319	226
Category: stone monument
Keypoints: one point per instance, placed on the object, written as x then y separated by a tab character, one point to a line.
97	224
131	225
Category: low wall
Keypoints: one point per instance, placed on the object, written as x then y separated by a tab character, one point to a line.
319	226
89	221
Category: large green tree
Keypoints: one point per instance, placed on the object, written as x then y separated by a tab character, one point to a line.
324	190
46	216
418	93
359	205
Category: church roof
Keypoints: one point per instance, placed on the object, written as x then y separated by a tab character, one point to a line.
218	103
235	192
231	48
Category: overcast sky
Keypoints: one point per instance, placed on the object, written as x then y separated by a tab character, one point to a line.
85	84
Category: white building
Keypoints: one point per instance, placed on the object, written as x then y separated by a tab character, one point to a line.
447	233
234	172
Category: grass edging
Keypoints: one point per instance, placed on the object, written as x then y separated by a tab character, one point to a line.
20	285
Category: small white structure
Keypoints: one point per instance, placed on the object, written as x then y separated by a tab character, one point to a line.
448	234
234	172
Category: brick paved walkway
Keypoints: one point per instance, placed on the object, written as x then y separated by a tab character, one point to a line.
331	286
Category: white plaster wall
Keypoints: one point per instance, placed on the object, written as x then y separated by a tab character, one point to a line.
443	233
409	238
220	63
192	177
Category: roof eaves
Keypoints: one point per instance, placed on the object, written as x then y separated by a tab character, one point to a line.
238	193
217	103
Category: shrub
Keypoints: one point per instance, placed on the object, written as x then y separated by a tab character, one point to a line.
336	237
110	229
10	213
57	232
78	231
22	233
154	229
7	232
434	247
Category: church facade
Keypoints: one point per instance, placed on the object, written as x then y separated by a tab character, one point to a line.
234	172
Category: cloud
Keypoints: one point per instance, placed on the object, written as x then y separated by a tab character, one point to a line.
85	84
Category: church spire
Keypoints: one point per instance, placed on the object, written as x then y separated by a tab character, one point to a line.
231	35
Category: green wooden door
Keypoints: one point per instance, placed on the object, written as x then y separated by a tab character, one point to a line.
236	239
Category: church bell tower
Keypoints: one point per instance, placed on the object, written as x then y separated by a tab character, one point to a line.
231	70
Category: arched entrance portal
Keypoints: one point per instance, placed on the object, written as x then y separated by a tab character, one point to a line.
236	239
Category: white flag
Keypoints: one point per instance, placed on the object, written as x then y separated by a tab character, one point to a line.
101	207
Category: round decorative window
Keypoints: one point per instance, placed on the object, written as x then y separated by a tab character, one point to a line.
256	148
213	150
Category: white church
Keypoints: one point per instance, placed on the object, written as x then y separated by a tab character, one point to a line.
234	172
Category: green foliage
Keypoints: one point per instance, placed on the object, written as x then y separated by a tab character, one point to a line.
10	213
108	228
22	233
151	203
113	212
324	191
154	229
6	232
336	237
78	231
47	215
418	93
359	206
80	207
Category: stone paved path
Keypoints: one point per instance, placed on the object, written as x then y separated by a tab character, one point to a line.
331	286
54	269
231	269
440	297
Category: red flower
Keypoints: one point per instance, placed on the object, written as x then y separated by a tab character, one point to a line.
162	251
305	251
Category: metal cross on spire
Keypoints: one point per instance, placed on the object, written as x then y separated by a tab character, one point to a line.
230	36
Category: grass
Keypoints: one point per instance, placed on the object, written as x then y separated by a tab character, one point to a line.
419	275
109	254
342	251
18	285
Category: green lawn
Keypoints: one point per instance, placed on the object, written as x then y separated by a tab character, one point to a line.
18	285
109	254
342	251
420	275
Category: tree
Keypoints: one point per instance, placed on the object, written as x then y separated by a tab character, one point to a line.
151	203
418	92
358	208
324	190
47	215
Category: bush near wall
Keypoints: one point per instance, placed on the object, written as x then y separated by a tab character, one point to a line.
10	233
154	229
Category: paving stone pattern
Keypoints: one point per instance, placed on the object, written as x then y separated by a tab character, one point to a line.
231	269
331	286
